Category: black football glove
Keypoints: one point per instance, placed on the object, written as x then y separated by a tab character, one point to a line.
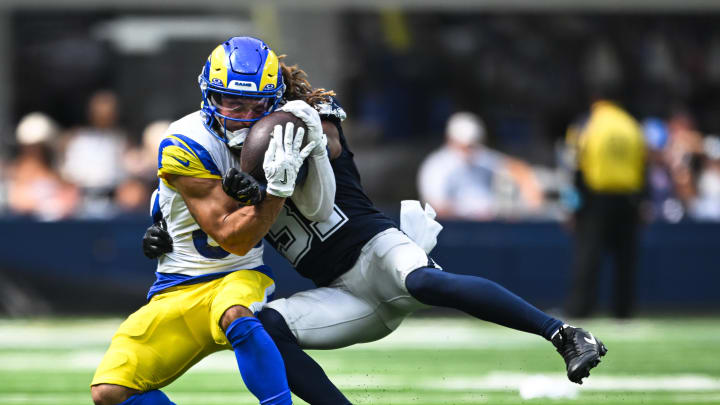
242	187
157	240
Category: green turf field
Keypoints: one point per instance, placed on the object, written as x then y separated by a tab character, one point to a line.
428	361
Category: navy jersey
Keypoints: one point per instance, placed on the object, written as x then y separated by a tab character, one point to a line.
322	251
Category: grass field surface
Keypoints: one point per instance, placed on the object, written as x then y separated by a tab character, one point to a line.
427	361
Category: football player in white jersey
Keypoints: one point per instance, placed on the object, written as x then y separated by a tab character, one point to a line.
209	288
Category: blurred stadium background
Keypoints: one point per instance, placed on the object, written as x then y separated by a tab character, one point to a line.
71	265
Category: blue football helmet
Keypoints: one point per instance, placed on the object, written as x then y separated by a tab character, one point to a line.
244	67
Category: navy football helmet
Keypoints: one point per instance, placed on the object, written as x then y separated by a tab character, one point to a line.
239	67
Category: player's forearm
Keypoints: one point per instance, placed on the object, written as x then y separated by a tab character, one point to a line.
241	230
316	196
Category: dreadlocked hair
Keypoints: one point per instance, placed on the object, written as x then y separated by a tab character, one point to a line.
298	87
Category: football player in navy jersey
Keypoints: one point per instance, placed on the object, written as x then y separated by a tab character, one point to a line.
369	274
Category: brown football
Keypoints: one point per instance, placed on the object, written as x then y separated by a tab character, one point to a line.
257	141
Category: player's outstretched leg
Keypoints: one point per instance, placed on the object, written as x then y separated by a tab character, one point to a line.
259	361
306	378
480	298
491	302
580	349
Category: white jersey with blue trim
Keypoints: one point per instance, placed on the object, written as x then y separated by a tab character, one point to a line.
189	149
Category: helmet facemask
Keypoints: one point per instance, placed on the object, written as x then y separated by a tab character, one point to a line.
229	107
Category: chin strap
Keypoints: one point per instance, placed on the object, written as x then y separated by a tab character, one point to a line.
237	138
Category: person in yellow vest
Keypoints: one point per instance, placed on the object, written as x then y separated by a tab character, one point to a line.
611	158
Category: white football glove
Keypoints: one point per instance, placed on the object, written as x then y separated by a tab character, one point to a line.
283	159
311	118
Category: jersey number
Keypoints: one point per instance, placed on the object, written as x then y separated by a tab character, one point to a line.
293	237
200	240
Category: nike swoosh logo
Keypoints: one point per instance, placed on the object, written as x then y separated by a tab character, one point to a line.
592	340
284	180
185	163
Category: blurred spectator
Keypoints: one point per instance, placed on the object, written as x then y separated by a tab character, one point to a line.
132	196
683	155
663	204
93	158
706	206
142	162
34	187
464	179
611	160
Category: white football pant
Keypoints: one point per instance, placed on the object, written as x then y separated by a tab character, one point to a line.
364	304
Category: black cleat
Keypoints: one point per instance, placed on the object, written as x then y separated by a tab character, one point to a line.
580	350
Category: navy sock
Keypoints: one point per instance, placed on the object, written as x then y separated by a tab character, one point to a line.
154	397
259	361
480	298
306	378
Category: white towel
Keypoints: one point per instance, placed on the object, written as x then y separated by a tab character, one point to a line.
419	224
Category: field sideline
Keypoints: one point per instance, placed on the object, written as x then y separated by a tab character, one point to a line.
428	361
